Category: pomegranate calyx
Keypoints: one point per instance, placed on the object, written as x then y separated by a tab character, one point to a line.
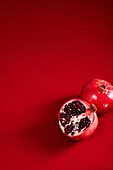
92	108
102	87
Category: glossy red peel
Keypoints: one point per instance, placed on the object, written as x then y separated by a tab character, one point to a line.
100	93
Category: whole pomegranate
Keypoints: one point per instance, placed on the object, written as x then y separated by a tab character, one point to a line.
100	93
77	119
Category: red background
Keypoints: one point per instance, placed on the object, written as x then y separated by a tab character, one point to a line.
49	49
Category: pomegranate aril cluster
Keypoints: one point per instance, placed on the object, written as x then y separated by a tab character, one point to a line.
69	129
85	122
75	108
78	126
72	109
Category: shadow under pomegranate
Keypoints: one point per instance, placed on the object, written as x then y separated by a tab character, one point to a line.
47	135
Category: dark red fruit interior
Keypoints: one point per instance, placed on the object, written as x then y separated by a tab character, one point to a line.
67	115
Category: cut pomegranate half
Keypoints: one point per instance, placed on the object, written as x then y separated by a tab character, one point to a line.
77	119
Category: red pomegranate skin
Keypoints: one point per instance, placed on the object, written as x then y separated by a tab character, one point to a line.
90	130
100	93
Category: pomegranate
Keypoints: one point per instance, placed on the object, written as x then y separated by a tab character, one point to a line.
100	93
77	119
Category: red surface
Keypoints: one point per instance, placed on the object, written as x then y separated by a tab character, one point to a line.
48	50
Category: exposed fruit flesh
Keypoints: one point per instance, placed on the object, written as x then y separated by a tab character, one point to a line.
75	116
